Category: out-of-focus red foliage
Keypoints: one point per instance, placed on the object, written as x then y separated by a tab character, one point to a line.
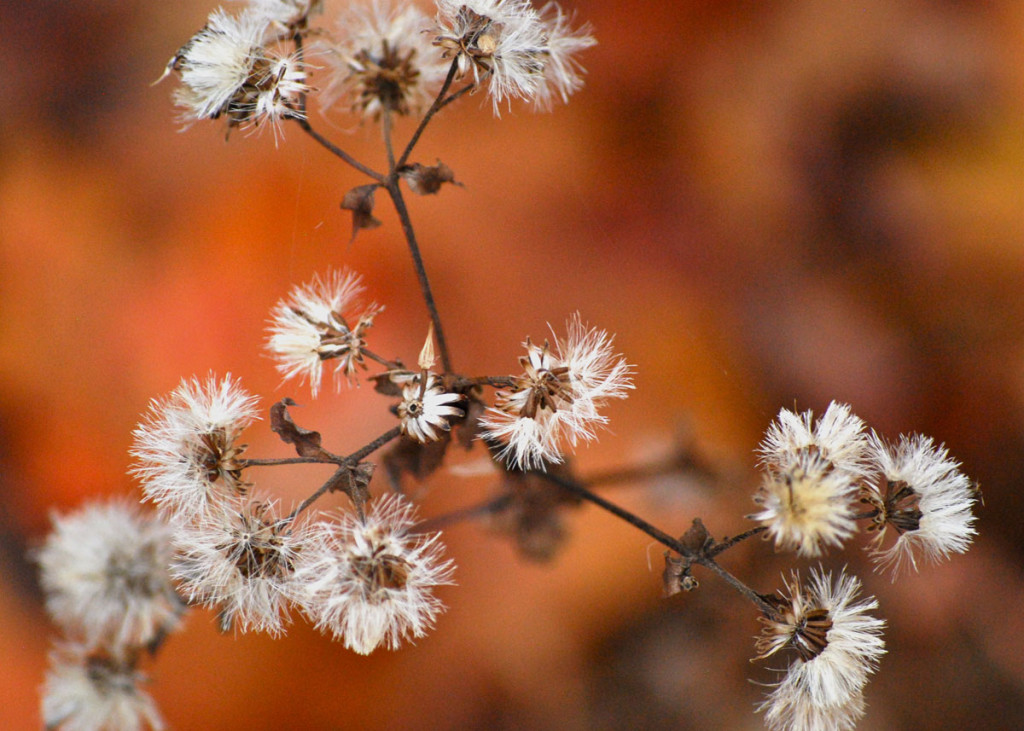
771	204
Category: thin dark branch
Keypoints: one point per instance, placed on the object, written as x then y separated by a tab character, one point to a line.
340	477
343	475
387	141
493	381
358	456
634	520
730	542
709	563
301	116
391	365
391	186
333	459
337	151
456	95
700	556
434	108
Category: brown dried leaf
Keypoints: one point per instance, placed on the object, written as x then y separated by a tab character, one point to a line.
390	383
359	200
468	430
696	538
409	456
306	441
424	180
533	516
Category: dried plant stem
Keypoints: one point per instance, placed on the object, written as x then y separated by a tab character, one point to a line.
301	116
343	475
730	542
324	458
434	108
700	556
388	144
337	151
389	364
391	186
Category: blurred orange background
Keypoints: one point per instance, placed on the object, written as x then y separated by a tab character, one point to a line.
771	205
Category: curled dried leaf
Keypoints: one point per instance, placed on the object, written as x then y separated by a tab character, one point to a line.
306	441
407	456
359	200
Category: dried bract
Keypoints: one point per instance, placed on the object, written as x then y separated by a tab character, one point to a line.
427	409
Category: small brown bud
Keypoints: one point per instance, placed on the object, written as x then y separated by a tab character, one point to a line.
424	180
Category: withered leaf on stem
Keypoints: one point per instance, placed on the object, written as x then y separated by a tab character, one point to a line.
468	430
390	383
676	576
409	456
359	200
427	180
353	481
533	515
306	441
696	538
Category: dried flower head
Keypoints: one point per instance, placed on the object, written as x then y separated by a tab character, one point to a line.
384	61
93	692
555	401
240	561
288	15
187	451
563	74
312	325
518	51
370	582
426	408
227	70
105	572
812	473
838	646
925	499
837	439
806	508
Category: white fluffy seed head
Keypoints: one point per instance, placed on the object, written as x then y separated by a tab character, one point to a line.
89	692
813	470
370	583
241	562
924	498
839	645
227	71
105	572
516	50
555	402
187	449
383	60
316	323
